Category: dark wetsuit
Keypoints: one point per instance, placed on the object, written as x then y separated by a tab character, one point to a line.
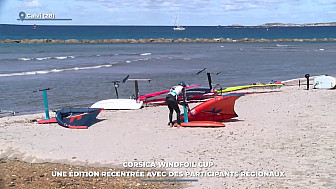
172	105
171	101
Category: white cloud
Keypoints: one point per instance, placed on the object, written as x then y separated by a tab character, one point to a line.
331	12
113	10
329	2
237	5
163	5
32	3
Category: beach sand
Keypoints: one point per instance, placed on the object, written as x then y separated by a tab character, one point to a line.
291	130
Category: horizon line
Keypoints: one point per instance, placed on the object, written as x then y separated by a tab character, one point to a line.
233	25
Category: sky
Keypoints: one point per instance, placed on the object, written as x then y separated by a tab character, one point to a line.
165	12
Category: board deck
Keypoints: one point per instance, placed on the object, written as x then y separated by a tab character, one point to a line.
236	88
201	124
324	82
118	104
46	121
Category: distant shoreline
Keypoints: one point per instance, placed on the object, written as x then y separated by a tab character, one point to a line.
233	25
163	40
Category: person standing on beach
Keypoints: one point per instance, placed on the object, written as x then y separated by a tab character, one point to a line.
172	104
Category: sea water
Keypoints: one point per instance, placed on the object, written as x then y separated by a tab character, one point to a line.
148	32
81	74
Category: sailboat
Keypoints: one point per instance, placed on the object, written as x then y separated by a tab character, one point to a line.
176	26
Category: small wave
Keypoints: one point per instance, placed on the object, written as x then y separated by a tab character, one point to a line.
24	59
55	70
63	57
141	59
28	73
68	69
145	54
60	57
44	58
90	67
42	72
281	45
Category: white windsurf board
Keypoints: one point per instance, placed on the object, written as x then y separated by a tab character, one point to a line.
324	82
118	104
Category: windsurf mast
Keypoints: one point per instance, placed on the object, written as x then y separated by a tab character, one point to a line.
209	78
116	84
136	85
208	75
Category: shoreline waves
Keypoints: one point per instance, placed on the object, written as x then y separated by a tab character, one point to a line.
170	40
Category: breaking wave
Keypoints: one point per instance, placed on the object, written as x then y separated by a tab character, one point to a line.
72	57
46	58
145	54
55	70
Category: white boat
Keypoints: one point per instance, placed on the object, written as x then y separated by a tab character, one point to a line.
176	26
179	28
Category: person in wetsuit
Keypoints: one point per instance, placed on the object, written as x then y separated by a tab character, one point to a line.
171	101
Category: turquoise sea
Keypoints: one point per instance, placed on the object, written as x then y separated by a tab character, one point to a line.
81	74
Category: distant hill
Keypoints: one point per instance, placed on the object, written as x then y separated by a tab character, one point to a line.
297	25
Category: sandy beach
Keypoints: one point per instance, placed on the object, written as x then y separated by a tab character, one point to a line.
289	130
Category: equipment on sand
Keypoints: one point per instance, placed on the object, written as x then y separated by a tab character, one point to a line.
230	89
236	88
307	77
122	104
77	118
185	111
324	82
199	94
46	108
45	101
212	112
220	108
4	113
46	121
201	124
145	97
118	104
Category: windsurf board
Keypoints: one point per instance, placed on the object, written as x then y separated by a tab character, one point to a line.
324	82
118	104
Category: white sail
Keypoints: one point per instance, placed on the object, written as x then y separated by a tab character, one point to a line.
176	26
